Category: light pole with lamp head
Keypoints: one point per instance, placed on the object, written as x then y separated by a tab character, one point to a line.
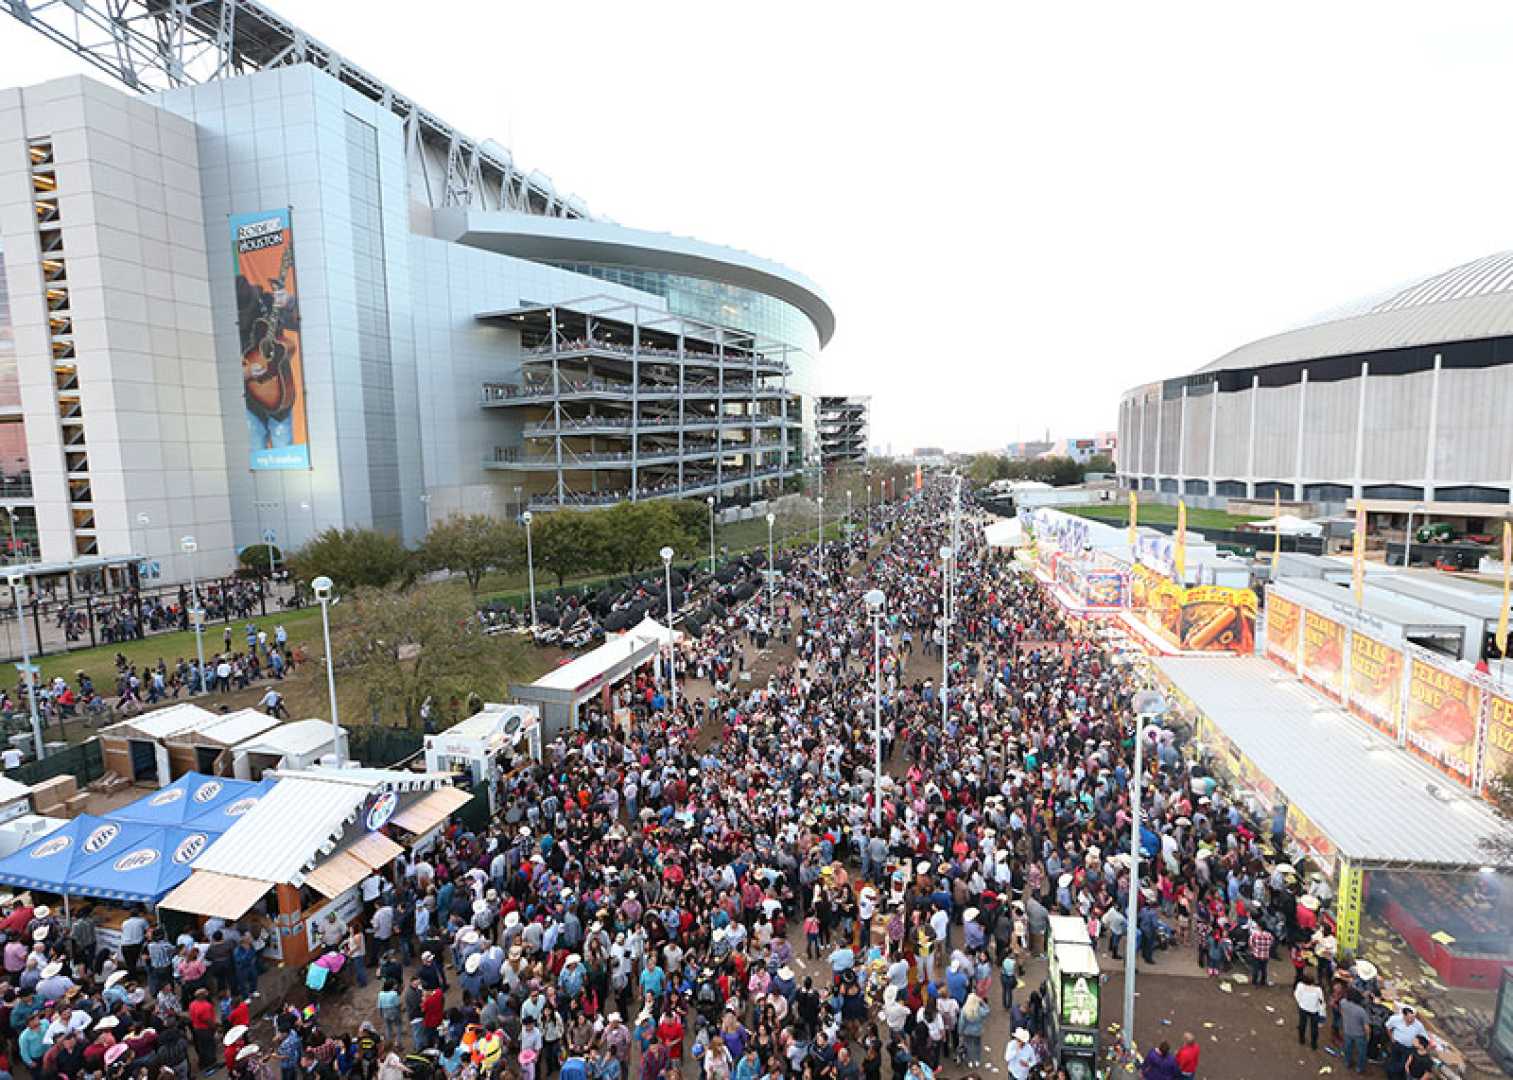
321	587
874	600
1408	536
946	555
18	597
144	521
1148	705
819	504
188	545
530	565
848	511
771	569
867	484
672	653
710	501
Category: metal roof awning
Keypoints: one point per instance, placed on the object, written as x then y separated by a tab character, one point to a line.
337	874
205	892
375	849
432	810
1378	805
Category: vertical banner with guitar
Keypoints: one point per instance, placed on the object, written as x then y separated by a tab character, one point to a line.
267	302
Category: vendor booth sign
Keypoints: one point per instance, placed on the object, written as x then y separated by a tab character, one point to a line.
1444	711
1283	618
340	911
1497	747
1324	654
1376	683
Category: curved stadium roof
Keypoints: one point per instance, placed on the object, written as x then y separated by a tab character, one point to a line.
1472	300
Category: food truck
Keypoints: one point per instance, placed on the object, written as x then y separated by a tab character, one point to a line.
1073	986
486	746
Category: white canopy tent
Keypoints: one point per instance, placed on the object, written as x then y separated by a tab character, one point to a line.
1007	533
1287	525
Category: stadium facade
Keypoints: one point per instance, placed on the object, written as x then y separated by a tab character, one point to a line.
291	299
1399	399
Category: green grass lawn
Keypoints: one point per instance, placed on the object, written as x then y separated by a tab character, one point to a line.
1160	514
100	662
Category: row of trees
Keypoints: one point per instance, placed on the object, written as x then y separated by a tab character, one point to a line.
622	539
1054	470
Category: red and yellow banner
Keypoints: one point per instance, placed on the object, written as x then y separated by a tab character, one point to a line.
1324	654
1497	749
1444	711
1282	618
1376	682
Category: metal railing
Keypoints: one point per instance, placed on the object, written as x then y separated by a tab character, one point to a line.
608	348
695	485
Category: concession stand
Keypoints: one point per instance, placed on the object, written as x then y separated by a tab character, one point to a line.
207	749
311	841
299	744
559	694
137	749
487	745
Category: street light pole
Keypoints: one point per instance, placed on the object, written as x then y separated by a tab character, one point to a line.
18	597
946	555
1148	704
189	546
710	501
672	653
321	586
1408	536
820	539
771	569
874	599
530	565
144	521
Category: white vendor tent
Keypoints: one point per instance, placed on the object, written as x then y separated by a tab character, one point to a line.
296	745
1005	533
1287	525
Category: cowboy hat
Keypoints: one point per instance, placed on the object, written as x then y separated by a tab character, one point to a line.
1021	1035
234	1035
246	1052
1310	902
970	915
42	911
1365	970
113	978
472	963
55	968
107	1023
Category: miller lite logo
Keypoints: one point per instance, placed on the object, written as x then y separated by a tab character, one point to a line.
136	860
382	810
100	839
240	807
166	797
189	847
207	791
51	847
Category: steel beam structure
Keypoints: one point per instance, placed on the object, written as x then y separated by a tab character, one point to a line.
156	45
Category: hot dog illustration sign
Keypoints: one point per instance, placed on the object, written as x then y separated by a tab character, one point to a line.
1216	618
1443	714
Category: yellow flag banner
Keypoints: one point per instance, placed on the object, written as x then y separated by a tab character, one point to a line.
1134	517
1358	554
1276	519
1179	550
1507	579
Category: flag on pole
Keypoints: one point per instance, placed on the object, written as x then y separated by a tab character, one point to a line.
1179	550
1276	521
1134	517
1358	553
1507	579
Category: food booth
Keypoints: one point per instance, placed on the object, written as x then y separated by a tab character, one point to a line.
207	749
137	749
487	745
311	841
561	693
298	744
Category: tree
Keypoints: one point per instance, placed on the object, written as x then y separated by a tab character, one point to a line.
566	543
1098	463
635	533
255	557
471	545
986	468
1499	846
405	645
353	558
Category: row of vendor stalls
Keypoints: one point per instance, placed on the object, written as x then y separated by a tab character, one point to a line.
561	694
154	747
286	854
1184	596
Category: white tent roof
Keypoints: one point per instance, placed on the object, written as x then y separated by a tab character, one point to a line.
589	667
1371	798
1006	533
1287	525
650	630
11	790
233	727
163	723
297	737
488	721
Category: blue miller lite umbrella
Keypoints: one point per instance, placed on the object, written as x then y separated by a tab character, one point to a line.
51	862
146	868
204	802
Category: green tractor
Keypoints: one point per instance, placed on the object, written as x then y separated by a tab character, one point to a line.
1435	532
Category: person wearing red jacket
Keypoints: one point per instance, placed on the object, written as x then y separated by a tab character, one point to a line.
202	1024
1187	1056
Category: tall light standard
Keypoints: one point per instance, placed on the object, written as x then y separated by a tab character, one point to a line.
946	555
672	653
848	510
771	568
710	501
18	597
189	546
321	586
867	483
144	521
874	599
530	565
819	505
1148	705
425	501
1408	536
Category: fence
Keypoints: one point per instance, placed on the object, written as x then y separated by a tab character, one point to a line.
85	762
381	747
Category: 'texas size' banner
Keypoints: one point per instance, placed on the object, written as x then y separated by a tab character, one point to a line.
1324	653
1497	749
267	309
1376	682
1282	618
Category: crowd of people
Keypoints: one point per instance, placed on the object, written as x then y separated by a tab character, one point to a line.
715	889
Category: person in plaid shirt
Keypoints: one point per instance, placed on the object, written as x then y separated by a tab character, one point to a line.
1260	953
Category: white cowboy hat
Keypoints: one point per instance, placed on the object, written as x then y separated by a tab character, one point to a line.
970	915
468	936
246	1052
472	963
1310	902
42	911
1064	880
480	906
234	1035
107	1023
512	919
1021	1035
785	972
1365	970
52	969
113	978
1285	868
